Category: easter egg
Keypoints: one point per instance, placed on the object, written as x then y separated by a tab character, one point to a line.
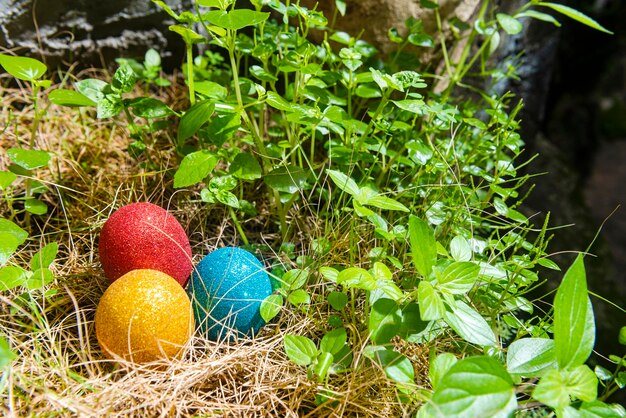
226	290
143	316
144	236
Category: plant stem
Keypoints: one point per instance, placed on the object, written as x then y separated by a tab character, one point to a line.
233	215
192	93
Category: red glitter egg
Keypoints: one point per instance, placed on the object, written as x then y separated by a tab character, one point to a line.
144	236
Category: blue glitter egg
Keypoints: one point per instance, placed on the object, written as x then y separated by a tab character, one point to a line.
226	289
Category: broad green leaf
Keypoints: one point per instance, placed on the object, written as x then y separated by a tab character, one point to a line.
384	281
356	277
220	4
439	367
469	324
166	8
574	326
397	366
384	202
91	88
556	386
411	105
511	25
223	127
598	409
286	179
474	387
109	105
188	35
299	297
576	15
341	7
531	357
71	98
384	321
27	158
149	108
210	89
294	279
196	116
329	273
334	341
262	74
6	355
124	79
547	263
270	307
23	68
227	198
460	249
321	367
6	179
12	276
423	245
539	16
235	19
245	167
39	279
430	303
459	277
338	300
35	206
344	182
301	350
622	336
194	168
11	228
277	102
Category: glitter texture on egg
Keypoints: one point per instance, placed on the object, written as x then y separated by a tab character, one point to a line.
226	289
144	236
143	316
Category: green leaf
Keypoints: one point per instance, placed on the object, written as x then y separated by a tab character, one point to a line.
460	249
531	357
334	341
411	105
539	16
6	355
44	257
622	336
384	321
235	19
423	245
474	387
270	307
23	68
469	324
301	350
35	206
324	361
547	263
430	303
574	327
71	98
189	36
439	367
299	297
12	276
124	79
210	89
344	182
222	128
245	167
11	237
27	158
576	15
286	179
109	105
598	409
91	88
341	7
6	179
356	277
39	279
511	25
277	102
397	366
338	300
383	202
149	108
329	273
459	277
194	168
556	386
196	116
262	74
294	279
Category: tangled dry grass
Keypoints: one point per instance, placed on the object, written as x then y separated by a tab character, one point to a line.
59	369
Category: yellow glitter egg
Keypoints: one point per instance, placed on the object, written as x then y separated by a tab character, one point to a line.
143	316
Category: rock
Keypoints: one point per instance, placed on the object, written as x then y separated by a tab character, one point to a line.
92	32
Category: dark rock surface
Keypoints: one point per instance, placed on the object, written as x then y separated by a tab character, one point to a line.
92	32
